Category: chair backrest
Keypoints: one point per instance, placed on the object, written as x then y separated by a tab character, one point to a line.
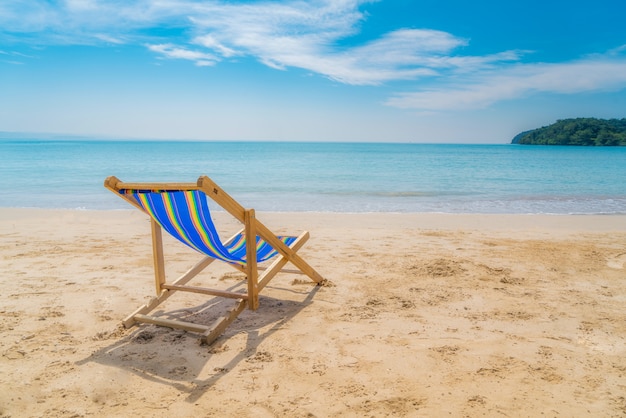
185	215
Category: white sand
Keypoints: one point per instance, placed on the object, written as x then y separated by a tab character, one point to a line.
430	315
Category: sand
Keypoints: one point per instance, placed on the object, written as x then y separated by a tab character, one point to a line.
428	315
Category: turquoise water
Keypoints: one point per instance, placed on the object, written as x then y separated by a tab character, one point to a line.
325	177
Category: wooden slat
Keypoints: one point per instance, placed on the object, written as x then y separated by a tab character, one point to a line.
206	291
156	186
290	271
171	323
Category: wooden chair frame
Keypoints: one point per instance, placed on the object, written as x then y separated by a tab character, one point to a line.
255	281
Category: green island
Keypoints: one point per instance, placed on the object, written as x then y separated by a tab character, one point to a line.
578	131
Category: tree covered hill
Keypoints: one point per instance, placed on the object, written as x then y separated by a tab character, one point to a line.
579	131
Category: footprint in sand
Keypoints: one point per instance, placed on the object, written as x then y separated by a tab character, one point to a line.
617	262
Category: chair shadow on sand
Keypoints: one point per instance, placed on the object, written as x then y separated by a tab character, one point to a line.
174	357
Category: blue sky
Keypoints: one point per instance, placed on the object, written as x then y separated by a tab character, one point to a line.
343	70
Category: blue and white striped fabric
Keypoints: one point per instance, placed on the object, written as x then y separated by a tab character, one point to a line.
185	215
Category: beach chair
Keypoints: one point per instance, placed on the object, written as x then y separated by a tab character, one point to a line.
182	210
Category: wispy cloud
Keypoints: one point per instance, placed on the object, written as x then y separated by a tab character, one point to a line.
481	89
297	34
170	51
308	35
11	55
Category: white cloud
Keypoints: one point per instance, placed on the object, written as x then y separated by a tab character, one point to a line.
619	50
485	88
174	52
208	41
310	35
279	34
82	4
110	39
14	54
307	35
406	54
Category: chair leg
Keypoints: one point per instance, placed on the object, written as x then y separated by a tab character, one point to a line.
285	251
157	253
220	325
251	264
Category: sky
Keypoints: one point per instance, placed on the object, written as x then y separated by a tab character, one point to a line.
424	71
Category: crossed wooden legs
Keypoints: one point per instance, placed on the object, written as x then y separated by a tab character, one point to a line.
255	282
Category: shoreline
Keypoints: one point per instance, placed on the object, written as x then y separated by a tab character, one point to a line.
428	315
425	220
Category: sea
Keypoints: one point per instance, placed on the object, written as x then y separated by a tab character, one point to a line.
324	177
